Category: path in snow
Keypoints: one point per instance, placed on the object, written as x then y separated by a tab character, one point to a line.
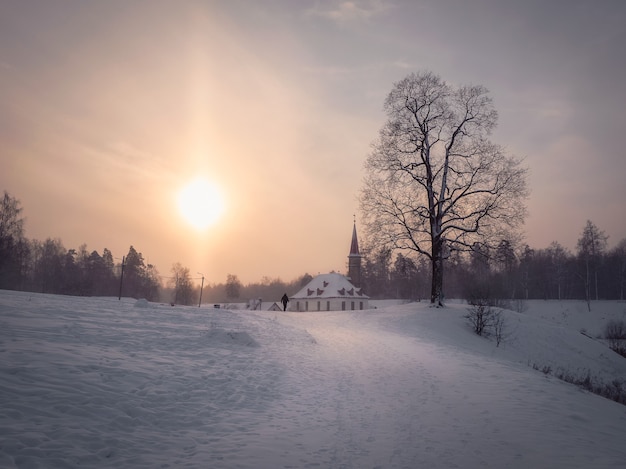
370	397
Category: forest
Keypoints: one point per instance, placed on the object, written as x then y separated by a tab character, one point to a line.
512	271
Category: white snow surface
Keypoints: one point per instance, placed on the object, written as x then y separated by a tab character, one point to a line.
97	382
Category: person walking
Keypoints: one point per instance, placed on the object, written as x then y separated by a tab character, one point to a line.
285	300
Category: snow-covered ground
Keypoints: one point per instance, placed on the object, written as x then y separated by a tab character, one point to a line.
97	382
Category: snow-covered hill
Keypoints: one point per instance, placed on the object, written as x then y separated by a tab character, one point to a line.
97	382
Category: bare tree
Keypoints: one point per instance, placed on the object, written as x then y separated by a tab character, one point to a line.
233	286
13	245
558	264
591	245
184	291
434	181
619	252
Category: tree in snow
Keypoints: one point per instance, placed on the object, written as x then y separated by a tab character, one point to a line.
233	286
434	181
591	245
617	260
506	266
184	291
558	266
140	280
47	265
13	246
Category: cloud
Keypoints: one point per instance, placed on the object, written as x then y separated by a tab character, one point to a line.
349	11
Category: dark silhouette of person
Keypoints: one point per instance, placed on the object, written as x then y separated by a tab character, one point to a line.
285	300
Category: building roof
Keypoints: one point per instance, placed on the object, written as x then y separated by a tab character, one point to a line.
331	285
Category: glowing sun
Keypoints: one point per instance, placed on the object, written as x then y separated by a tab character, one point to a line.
200	203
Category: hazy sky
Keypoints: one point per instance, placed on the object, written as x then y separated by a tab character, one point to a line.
108	108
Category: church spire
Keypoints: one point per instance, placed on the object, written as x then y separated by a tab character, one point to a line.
354	246
354	260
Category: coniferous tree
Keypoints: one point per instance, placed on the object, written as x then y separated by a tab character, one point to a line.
140	281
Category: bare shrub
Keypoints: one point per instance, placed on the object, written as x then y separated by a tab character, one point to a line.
486	321
484	314
615	390
615	334
479	315
498	327
615	330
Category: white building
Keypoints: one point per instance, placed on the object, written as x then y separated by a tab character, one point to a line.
329	292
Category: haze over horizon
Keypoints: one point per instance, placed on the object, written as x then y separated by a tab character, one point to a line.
108	110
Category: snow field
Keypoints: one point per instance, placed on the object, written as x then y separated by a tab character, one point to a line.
97	382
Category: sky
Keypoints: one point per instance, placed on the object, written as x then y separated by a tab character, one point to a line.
108	110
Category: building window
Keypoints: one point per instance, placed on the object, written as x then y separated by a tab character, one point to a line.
360	305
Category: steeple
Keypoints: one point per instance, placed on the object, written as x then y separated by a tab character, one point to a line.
354	260
354	246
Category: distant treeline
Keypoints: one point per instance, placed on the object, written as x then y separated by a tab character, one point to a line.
591	273
48	267
510	272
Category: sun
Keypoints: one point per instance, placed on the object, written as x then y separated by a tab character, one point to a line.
200	203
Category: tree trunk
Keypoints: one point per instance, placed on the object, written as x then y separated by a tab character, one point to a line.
587	285
436	292
621	283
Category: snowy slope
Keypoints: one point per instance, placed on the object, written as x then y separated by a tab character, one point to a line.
97	382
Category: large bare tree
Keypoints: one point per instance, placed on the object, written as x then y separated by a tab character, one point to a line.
434	182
